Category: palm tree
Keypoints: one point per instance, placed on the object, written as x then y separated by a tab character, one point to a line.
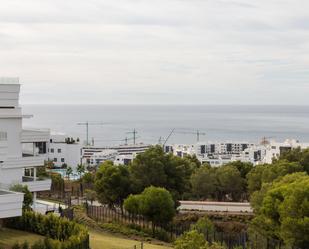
69	172
80	170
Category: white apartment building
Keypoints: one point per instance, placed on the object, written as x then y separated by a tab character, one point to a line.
98	158
64	150
125	153
21	151
182	150
222	148
274	149
219	153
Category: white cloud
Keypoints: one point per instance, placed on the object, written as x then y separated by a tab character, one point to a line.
175	51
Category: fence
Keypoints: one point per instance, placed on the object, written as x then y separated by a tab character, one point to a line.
171	231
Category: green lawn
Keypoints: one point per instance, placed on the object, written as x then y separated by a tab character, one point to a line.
102	240
98	240
9	237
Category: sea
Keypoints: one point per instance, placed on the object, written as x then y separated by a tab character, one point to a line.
112	124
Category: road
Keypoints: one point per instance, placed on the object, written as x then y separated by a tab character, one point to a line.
231	207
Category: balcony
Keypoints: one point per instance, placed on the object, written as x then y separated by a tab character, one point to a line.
24	162
35	184
10	204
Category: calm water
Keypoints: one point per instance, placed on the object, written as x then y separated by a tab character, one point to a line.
220	123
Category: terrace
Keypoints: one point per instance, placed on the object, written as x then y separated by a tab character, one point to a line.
34	182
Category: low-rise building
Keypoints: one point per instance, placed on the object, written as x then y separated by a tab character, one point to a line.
125	153
98	158
275	149
64	150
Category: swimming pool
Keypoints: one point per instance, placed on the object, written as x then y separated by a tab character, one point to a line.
62	172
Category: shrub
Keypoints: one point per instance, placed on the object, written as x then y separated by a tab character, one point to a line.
25	245
16	246
61	232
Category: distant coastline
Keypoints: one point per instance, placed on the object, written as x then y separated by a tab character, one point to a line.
219	122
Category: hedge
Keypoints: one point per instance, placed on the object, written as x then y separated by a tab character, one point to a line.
60	233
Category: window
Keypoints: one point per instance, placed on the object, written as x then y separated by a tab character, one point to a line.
51	150
62	160
41	146
3	136
59	150
29	172
55	160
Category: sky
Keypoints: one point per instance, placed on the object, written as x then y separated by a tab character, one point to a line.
157	52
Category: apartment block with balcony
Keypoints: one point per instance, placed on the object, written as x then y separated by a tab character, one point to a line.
22	151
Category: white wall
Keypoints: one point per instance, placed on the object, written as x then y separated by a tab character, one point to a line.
70	152
11	176
13	128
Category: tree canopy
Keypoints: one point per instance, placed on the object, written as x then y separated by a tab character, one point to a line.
218	183
112	184
298	155
266	173
156	168
282	210
155	203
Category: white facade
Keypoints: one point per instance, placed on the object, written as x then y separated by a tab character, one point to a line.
182	150
126	153
21	151
274	149
222	148
100	157
64	150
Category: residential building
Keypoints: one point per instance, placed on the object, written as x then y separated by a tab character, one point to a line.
99	157
64	150
125	152
219	153
275	149
221	148
22	151
181	150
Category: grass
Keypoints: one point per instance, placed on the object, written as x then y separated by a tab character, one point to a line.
9	237
103	240
98	240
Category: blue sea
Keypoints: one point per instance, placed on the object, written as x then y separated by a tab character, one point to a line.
219	123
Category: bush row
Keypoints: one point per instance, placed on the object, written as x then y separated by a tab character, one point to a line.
60	233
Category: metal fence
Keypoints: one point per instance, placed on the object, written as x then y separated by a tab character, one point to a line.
168	231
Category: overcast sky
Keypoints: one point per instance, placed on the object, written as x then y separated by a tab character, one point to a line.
159	51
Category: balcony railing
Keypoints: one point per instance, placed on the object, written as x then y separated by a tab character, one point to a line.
32	179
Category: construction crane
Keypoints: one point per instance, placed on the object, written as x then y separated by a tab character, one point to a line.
265	141
126	139
171	133
134	132
87	124
197	133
